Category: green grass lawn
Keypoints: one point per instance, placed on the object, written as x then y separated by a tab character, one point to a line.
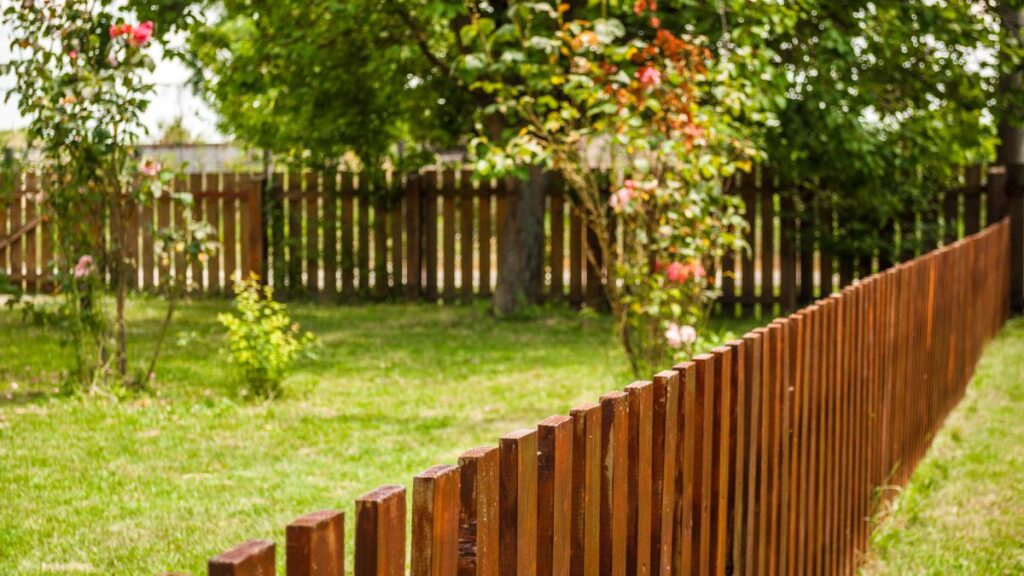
963	511
164	481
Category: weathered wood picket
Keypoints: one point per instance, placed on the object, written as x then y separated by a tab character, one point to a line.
768	455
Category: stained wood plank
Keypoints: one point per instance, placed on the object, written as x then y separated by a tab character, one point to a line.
466	195
448	194
478	516
363	199
313	221
435	522
638	521
330	225
690	474
295	237
380	244
213	215
518	504
430	194
614	483
586	491
380	532
664	469
253	558
414	239
348	222
485	203
315	544
554	495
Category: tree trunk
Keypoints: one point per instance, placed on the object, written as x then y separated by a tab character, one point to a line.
521	247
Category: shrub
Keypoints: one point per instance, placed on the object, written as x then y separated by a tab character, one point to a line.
263	342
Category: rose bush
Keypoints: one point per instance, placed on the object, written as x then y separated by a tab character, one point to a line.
80	75
643	130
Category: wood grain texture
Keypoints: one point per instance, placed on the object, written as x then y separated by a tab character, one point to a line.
554	495
435	522
380	532
518	504
478	512
614	483
640	397
253	558
586	490
315	544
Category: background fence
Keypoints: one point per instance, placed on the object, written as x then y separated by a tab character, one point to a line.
766	456
435	235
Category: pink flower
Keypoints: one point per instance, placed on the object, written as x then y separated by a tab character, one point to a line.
649	76
676	273
73	54
84	267
677	335
655	22
149	167
621	198
141	34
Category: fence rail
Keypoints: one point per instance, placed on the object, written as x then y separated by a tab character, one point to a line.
766	456
435	236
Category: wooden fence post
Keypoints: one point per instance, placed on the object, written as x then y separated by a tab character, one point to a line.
614	484
518	503
478	516
253	558
435	522
638	530
380	532
554	495
315	545
586	497
255	232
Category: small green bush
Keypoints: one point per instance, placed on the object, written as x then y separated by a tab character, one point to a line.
263	342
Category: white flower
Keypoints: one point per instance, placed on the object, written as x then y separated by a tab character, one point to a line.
677	335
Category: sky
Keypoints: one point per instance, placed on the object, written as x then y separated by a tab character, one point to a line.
172	98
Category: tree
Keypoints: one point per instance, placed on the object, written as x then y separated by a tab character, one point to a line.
313	80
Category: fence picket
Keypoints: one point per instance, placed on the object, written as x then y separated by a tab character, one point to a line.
554	495
518	504
478	516
253	558
380	532
315	545
435	522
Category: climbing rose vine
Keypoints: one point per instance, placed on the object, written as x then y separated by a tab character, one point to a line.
636	121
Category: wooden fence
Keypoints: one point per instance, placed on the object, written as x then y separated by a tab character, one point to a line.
767	456
436	235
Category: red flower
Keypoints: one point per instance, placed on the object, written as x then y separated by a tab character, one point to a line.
120	30
141	34
649	76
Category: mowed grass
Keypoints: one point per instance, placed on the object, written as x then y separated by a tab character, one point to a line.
963	510
166	480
